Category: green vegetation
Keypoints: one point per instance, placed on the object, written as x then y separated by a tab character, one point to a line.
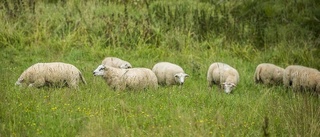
191	33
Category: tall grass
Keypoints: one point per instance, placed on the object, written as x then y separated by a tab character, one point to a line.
190	33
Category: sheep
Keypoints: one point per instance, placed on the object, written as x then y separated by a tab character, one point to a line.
223	75
127	79
169	73
293	71
116	62
268	74
52	74
306	79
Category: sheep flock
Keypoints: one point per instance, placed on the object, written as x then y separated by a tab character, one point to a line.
121	75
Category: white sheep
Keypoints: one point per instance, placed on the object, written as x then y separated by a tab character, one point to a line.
293	71
169	73
131	79
268	74
223	75
306	79
52	74
116	62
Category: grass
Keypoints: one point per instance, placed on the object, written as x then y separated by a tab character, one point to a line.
83	33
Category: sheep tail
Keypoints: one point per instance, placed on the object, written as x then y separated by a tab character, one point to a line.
82	79
257	75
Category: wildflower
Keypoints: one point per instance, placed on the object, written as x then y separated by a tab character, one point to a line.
54	108
39	131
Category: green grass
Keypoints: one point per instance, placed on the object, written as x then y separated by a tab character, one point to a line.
83	33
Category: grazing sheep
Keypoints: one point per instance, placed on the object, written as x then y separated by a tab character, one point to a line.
307	79
293	71
116	62
268	74
52	74
222	75
132	79
169	73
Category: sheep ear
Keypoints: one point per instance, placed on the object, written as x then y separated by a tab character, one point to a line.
176	75
186	75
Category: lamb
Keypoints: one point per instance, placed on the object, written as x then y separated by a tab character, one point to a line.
127	79
52	74
116	62
268	74
169	73
223	75
293	71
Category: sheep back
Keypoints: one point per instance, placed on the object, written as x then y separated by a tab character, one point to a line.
116	62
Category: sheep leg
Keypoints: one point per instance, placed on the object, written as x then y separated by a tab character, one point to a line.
296	87
210	84
267	81
221	87
72	84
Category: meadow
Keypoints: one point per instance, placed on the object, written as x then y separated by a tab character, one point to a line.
191	33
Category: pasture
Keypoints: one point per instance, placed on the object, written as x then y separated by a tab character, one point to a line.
191	33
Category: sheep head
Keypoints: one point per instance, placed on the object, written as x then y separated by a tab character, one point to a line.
19	81
180	77
124	66
99	71
228	87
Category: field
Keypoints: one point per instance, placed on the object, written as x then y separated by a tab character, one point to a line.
191	33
